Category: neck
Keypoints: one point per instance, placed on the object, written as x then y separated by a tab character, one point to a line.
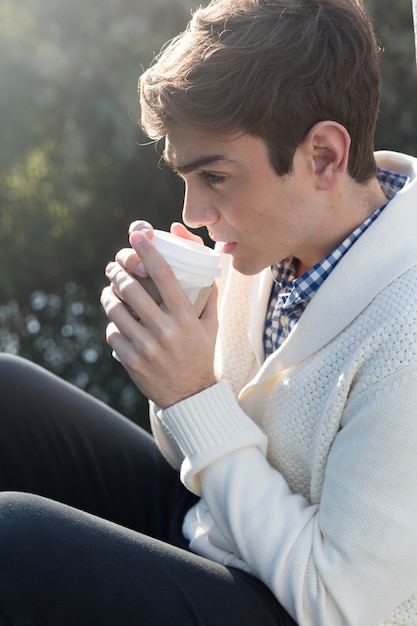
344	212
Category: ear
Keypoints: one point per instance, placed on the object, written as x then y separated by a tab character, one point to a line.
328	142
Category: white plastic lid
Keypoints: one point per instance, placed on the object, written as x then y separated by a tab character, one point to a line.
187	255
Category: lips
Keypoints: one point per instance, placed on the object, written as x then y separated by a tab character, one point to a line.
226	247
221	245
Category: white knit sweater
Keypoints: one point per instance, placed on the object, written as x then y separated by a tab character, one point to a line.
307	462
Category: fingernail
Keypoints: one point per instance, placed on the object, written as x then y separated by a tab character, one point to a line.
138	237
139	227
110	267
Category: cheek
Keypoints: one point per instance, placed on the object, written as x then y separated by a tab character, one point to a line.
253	210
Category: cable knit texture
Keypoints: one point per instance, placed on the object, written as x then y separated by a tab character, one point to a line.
306	462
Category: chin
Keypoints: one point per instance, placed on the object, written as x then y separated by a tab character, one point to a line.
246	268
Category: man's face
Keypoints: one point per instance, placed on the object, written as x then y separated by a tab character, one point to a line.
232	189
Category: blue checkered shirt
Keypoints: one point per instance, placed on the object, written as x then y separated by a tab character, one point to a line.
290	295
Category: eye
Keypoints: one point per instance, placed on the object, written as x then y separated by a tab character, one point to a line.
212	180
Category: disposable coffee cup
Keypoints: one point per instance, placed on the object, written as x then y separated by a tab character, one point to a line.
195	266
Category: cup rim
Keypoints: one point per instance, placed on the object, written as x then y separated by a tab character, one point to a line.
187	255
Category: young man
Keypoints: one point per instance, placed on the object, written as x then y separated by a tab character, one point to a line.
288	407
301	440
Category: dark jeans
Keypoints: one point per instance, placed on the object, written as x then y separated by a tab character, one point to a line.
90	520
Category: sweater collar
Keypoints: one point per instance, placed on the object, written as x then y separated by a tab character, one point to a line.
386	250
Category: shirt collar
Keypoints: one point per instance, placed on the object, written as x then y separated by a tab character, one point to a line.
294	290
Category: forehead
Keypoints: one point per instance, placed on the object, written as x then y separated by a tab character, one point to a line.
187	150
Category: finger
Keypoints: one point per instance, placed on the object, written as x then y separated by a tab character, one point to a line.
123	284
162	275
120	313
128	258
136	302
142	226
119	344
180	230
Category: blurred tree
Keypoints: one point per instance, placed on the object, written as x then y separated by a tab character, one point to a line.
69	157
397	127
73	172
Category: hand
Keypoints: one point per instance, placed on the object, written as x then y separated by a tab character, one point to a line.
180	230
168	351
128	258
177	229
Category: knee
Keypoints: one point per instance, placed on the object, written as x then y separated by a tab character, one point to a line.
26	551
14	523
19	377
10	360
12	369
17	510
26	523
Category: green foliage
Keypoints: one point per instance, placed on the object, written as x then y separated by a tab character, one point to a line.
397	127
69	157
74	172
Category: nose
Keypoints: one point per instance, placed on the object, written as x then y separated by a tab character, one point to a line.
197	211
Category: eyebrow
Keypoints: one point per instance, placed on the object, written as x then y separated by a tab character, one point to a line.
209	159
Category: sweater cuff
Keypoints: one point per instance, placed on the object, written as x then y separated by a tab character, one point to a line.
208	427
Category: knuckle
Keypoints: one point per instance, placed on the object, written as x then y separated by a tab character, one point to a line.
106	297
124	285
168	338
121	280
127	258
148	350
131	362
111	331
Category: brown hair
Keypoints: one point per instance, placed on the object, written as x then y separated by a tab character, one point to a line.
271	68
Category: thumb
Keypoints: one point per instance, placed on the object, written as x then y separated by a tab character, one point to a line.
180	230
